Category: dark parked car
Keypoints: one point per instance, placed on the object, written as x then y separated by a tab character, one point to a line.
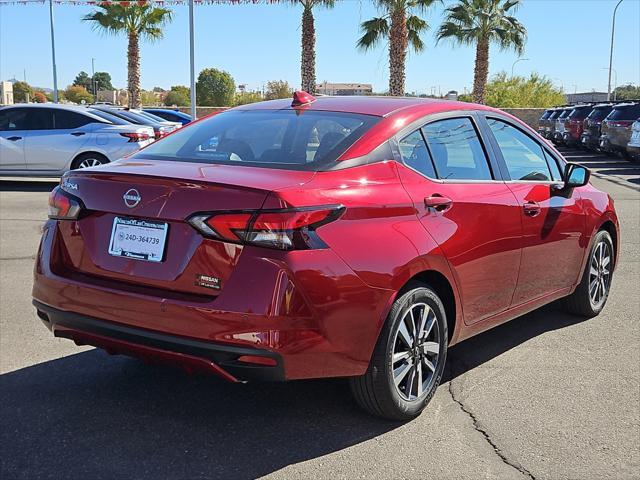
549	123
170	115
590	137
349	237
616	128
574	125
543	122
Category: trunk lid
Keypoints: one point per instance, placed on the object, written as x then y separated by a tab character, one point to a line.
164	193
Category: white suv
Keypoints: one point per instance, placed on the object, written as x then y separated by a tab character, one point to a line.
49	139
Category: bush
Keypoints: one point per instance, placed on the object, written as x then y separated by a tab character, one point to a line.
39	97
76	94
178	95
215	88
537	91
277	89
22	92
247	97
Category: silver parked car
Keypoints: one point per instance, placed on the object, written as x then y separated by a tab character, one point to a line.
49	139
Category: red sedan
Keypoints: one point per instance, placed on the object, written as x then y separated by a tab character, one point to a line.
333	237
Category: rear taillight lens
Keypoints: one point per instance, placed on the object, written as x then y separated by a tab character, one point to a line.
288	229
136	137
620	123
63	206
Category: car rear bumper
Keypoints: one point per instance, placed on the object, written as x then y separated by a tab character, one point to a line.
193	355
307	308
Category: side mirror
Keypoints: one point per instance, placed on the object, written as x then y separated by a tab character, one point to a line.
576	175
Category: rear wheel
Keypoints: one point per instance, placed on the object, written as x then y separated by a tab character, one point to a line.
87	160
591	295
408	360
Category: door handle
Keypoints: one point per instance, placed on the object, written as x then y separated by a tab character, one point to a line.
77	134
14	139
531	208
438	202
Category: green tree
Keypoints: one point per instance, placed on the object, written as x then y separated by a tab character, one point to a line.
401	26
215	88
626	92
83	80
480	23
22	92
149	99
536	91
179	95
136	20
77	93
277	89
247	97
102	81
308	56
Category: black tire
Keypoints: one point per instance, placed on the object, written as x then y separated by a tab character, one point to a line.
88	159
581	301
376	390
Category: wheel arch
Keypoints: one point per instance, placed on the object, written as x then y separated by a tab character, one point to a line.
85	152
445	290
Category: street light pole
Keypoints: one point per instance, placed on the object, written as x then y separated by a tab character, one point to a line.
53	54
514	64
93	76
191	63
613	29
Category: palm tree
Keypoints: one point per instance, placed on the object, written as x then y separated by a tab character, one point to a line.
402	28
482	22
308	60
137	20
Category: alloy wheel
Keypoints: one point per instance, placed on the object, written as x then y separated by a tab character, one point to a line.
89	162
599	273
416	351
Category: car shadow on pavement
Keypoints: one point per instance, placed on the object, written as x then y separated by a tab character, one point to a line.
90	415
27	186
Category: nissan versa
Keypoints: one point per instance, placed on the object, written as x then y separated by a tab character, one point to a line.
333	237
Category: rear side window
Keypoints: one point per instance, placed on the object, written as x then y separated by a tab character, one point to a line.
626	112
39	119
13	119
524	157
415	154
456	150
288	139
66	120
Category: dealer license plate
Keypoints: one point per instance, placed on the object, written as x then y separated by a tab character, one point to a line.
138	239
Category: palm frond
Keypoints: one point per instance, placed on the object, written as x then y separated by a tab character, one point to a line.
373	31
415	26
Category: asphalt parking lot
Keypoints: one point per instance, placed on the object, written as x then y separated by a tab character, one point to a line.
546	396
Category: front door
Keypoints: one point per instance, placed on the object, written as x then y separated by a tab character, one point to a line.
552	219
470	212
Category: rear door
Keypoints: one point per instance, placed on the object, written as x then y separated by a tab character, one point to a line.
552	220
55	137
467	208
12	133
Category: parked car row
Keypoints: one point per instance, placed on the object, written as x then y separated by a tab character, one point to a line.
605	127
49	139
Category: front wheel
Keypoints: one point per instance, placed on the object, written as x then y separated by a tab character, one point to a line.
591	294
408	359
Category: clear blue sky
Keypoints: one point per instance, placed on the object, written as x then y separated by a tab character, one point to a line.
568	42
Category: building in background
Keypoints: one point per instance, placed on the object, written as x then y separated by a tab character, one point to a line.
327	88
114	97
586	97
6	93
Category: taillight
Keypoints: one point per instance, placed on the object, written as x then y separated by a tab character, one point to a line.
287	229
620	123
63	206
136	137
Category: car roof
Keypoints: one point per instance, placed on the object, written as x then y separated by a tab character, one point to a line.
380	106
58	106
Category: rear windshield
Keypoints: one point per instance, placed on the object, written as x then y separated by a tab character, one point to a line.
625	112
599	113
287	139
546	114
580	113
565	113
555	114
108	117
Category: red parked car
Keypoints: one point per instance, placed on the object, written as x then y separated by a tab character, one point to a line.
333	237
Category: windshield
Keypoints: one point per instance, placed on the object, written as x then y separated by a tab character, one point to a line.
288	139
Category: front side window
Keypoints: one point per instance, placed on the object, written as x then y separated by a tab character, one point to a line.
456	150
522	155
415	154
288	139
